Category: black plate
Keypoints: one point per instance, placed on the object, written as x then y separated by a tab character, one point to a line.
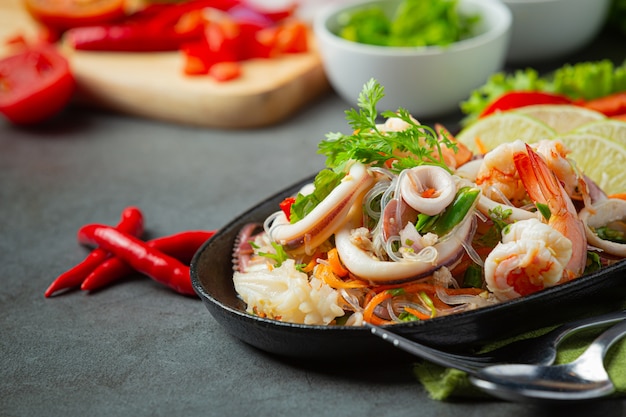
212	271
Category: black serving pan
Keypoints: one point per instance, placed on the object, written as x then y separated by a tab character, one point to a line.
211	275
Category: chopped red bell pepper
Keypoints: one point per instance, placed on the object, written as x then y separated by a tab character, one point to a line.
516	99
285	206
208	32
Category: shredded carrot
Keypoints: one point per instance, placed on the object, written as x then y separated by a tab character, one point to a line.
335	263
309	267
417	313
428	193
368	312
326	274
313	262
621	196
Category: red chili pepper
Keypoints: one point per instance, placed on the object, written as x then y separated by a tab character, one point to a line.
516	99
181	246
143	258
131	222
149	30
285	206
128	38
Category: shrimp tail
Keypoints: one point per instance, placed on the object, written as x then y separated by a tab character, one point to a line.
539	181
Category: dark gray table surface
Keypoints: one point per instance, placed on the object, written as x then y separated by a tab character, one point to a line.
136	348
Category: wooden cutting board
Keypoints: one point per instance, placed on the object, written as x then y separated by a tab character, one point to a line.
152	85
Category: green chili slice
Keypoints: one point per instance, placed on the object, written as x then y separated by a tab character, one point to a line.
457	211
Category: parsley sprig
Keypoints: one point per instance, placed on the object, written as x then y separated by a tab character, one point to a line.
416	145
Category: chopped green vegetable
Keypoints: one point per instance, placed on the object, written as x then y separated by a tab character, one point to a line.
584	80
606	233
279	257
457	211
594	263
473	277
417	145
325	181
442	223
414	23
428	302
405	316
544	210
396	291
498	216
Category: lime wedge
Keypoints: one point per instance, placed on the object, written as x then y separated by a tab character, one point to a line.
600	159
561	118
612	129
499	128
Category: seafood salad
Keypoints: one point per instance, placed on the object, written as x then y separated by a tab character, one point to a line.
405	223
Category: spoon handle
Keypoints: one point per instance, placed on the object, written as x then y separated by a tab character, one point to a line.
601	345
568	329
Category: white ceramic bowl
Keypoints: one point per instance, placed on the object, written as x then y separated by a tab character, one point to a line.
427	81
545	30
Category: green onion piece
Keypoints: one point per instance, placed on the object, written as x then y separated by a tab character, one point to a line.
429	303
279	257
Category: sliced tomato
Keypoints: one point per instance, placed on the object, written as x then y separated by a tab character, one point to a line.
292	37
225	71
67	14
35	84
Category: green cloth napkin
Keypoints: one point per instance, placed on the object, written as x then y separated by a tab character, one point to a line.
445	383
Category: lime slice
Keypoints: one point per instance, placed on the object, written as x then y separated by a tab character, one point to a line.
499	128
561	118
612	129
600	159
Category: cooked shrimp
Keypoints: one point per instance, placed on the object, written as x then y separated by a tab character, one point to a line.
555	154
543	187
532	256
500	181
453	158
497	176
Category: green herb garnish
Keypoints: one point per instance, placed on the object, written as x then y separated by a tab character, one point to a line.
416	145
325	181
499	217
414	23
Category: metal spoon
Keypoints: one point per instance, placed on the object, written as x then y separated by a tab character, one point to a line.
583	379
